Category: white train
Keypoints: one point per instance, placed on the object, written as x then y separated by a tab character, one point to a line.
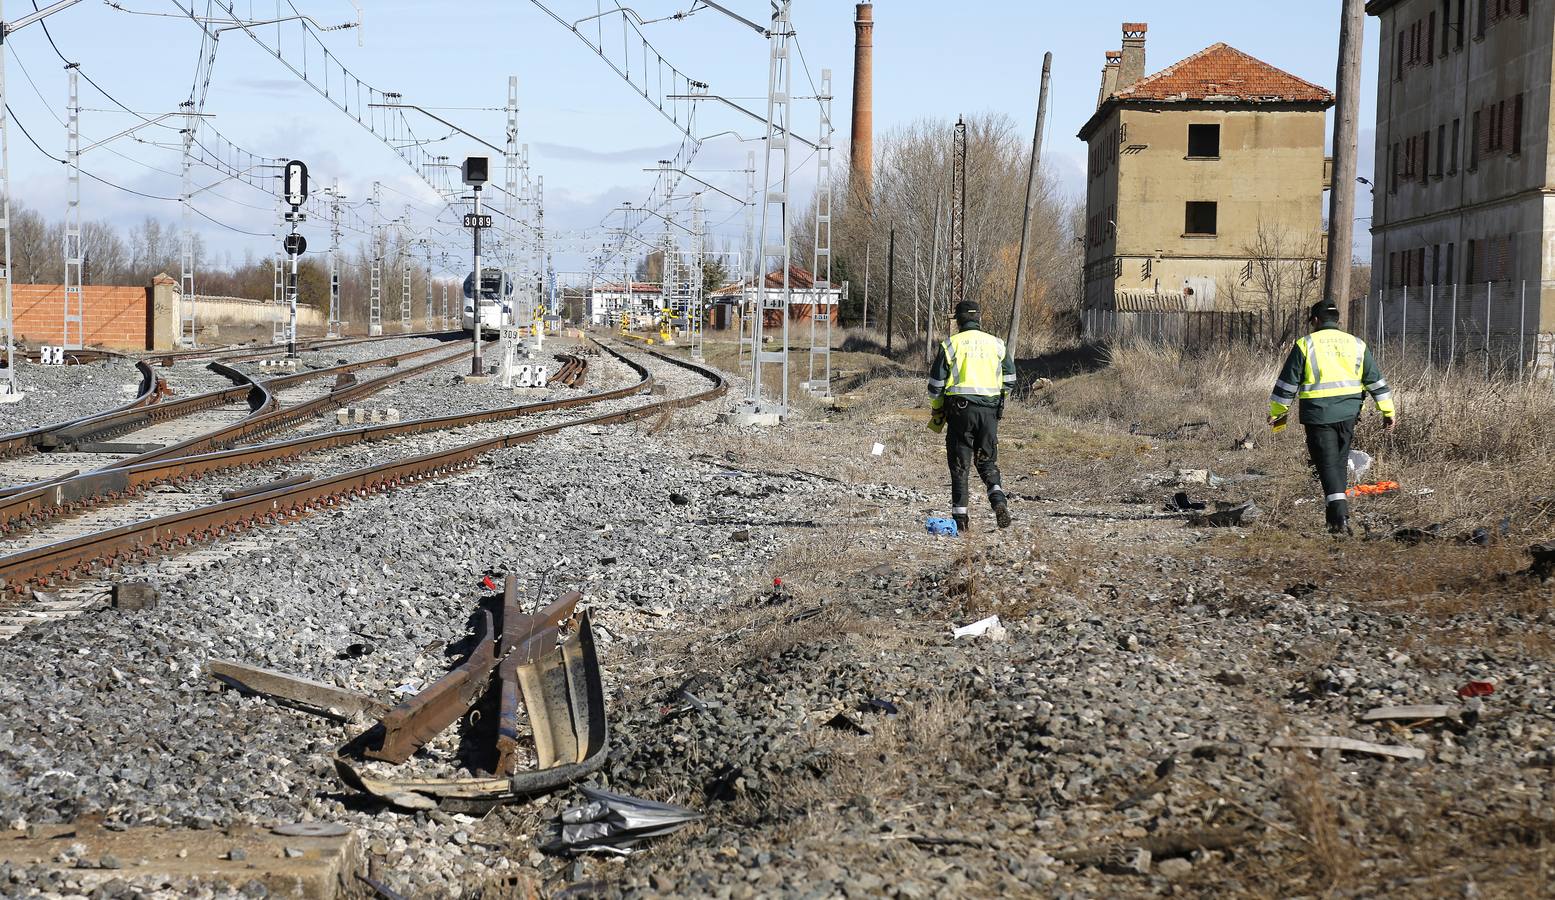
496	301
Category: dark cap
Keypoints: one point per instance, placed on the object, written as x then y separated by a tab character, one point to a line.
968	311
1325	311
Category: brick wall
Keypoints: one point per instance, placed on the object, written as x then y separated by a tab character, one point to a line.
118	318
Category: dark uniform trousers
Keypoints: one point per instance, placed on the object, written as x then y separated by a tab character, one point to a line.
1329	446
971	439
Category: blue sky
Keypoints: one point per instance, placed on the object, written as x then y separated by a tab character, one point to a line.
590	135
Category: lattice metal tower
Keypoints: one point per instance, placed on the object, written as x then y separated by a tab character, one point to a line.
426	247
404	232
822	311
278	330
776	239
958	215
74	335
696	315
750	260
334	260
510	198
375	282
186	312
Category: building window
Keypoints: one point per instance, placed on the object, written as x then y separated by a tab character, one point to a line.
1203	141
1441	150
1425	156
1517	125
1457	138
1452	250
1430	40
1481	19
1393	159
1200	218
1398	72
1479	138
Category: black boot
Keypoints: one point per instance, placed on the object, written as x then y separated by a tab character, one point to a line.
1001	510
1338	515
963	524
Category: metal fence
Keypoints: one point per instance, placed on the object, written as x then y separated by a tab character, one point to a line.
1196	331
1491	328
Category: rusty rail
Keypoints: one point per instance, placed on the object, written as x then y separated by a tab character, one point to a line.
24	442
45	501
51	564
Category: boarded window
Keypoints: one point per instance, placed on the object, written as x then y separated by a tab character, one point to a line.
1458	23
1457	138
1478	127
1447	277
1398	56
1200	217
1441	149
1204	141
1515	142
1483	9
1430	40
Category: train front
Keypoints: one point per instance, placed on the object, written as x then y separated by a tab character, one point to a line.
496	301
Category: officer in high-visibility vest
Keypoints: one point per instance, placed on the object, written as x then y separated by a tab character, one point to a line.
971	376
1330	372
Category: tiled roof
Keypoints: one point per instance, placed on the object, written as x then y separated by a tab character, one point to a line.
638	287
1224	73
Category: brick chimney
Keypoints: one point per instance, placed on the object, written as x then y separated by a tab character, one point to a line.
1132	67
1109	76
861	146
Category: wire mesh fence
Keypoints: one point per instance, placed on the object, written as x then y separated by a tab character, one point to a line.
1491	328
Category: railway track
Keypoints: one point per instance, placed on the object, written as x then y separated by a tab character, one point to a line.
141	431
37	572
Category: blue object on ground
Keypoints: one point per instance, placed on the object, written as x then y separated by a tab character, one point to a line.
940	526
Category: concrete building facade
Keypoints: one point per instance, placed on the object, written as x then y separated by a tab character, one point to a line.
1463	220
1196	169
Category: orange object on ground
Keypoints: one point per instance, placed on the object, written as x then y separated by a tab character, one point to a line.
1372	490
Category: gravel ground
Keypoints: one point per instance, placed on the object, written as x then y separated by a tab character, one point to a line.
1129	703
62	393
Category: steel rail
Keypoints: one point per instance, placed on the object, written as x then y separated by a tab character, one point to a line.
67	495
23	442
55	563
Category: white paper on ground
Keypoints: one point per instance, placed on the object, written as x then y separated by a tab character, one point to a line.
878	449
980	628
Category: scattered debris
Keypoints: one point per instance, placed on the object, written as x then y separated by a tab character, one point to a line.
134	595
1477	689
1543	567
876	705
941	527
1409	713
548	661
1372	490
615	823
842	722
679	499
1231	679
1229	515
1181	502
1330	742
1413	537
741	536
877	450
989	626
1359	463
312	829
310	696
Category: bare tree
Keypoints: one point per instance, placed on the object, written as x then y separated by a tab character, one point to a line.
1283	276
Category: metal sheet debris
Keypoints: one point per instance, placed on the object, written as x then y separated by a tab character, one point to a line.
615	823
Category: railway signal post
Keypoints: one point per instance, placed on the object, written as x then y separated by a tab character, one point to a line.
296	193
476	171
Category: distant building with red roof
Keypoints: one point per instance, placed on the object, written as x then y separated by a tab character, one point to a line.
1189	166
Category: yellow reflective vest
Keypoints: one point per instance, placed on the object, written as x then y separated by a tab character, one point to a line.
1330	372
972	365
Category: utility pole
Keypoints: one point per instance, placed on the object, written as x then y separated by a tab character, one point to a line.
890	293
404	232
186	318
476	172
1341	198
1012	339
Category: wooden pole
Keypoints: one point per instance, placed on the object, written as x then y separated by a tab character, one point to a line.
1013	337
890	293
1341	197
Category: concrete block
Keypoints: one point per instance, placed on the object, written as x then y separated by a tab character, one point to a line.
134	595
342	417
